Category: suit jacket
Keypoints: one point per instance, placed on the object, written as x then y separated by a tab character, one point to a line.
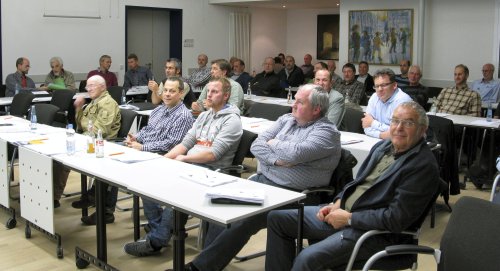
400	195
369	83
243	80
294	79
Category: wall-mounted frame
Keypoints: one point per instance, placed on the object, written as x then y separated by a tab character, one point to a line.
382	37
328	37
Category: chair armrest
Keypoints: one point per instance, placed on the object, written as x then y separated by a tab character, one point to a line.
402	249
327	189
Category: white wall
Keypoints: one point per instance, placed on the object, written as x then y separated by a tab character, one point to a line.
80	42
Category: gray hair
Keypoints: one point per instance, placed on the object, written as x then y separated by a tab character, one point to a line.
317	97
177	63
175	79
422	115
56	59
385	72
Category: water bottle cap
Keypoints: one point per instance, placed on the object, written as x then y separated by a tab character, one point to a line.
69	126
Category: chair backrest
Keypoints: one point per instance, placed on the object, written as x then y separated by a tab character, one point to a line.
343	172
472	237
352	120
21	104
243	150
116	93
127	118
63	99
45	113
3	88
268	111
81	87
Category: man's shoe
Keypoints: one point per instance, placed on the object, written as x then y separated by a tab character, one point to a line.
141	248
57	204
187	267
83	203
92	219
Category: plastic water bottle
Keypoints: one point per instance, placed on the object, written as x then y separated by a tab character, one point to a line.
99	145
16	90
489	112
33	118
124	97
90	138
249	91
70	140
289	95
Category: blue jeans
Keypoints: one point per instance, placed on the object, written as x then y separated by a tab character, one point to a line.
223	244
160	221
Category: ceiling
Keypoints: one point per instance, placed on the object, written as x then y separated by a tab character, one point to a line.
289	4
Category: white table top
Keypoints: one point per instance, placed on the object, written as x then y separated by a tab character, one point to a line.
8	100
269	100
470	121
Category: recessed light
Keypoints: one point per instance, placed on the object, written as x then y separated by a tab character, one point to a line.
338	4
284	6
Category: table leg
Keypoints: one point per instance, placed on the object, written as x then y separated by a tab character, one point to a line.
84	195
179	236
135	213
300	230
100	223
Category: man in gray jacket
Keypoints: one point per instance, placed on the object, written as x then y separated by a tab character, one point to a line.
212	142
336	101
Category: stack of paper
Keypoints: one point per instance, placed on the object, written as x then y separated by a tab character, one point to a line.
133	156
207	177
236	195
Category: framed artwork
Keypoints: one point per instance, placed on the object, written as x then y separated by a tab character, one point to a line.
382	37
328	37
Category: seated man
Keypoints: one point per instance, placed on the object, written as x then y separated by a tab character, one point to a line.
402	78
104	113
352	89
387	97
299	151
58	78
487	87
459	100
393	187
212	141
167	124
19	81
173	67
220	69
291	75
331	68
336	105
267	83
240	75
136	75
417	91
103	70
365	78
201	75
307	68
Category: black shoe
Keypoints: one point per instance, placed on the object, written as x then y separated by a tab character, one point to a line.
141	248
92	219
187	267
147	228
57	204
83	203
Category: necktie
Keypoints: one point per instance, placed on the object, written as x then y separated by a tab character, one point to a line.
24	84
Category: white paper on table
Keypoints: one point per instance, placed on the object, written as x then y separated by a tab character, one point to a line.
248	195
207	177
134	156
485	123
351	141
443	115
40	92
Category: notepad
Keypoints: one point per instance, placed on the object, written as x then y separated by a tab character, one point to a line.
134	157
236	196
207	177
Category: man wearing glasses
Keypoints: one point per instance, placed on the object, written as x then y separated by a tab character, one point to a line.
394	186
487	87
381	105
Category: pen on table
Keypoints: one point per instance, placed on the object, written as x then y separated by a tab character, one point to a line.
116	153
254	126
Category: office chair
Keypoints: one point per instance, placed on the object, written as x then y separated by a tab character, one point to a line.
116	93
46	113
20	105
63	99
470	240
243	151
494	196
82	86
268	111
352	121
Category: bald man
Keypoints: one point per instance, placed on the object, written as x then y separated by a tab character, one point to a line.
487	87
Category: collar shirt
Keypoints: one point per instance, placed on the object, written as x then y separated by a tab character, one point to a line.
137	77
487	89
200	77
166	128
353	91
459	101
382	112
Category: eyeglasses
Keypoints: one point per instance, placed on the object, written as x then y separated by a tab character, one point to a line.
88	87
384	85
405	123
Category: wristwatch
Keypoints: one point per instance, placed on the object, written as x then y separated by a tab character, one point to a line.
349	222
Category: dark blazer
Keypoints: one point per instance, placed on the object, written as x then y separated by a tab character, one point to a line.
243	80
369	83
267	84
400	195
295	79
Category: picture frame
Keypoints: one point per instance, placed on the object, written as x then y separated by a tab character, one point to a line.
380	37
328	37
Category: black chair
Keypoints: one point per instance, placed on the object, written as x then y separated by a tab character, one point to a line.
126	121
470	240
82	86
243	151
63	99
116	93
21	104
46	113
268	111
352	121
398	262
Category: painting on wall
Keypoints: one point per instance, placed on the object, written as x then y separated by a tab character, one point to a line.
328	37
382	37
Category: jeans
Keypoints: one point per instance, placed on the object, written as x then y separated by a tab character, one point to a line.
160	221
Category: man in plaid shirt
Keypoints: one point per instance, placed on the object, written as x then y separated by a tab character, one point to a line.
459	100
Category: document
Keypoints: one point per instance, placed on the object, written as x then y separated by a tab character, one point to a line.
236	195
133	156
207	177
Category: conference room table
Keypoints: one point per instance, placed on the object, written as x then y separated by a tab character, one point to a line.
177	185
40	98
